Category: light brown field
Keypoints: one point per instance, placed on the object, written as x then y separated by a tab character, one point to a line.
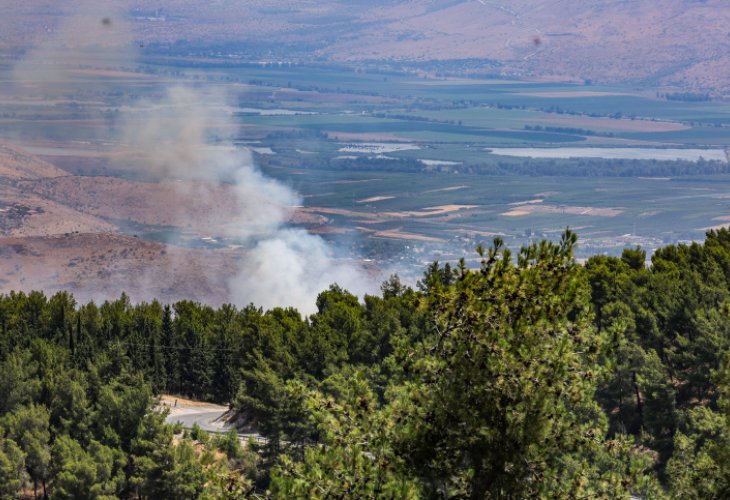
527	202
610	124
568	210
516	213
452	188
429	211
376	198
338	211
400	235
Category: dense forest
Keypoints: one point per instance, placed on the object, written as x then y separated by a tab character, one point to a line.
531	376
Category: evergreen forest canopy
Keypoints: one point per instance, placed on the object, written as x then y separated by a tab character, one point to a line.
532	376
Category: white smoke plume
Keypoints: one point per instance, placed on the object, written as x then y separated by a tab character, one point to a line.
183	136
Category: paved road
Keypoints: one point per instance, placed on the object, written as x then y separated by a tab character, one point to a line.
209	417
208	420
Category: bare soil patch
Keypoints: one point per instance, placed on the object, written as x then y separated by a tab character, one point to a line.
376	198
181	406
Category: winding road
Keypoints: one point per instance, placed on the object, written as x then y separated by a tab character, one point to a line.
209	417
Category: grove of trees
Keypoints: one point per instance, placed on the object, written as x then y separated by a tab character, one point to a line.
530	376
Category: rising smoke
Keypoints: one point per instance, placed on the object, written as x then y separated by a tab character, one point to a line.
283	266
182	136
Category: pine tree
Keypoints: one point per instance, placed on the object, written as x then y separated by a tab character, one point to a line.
171	352
501	396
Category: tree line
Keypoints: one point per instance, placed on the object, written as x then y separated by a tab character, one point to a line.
533	167
530	376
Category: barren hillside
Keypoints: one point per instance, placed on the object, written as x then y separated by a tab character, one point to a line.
60	231
670	42
99	266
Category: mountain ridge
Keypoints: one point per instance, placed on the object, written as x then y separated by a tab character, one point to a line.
679	43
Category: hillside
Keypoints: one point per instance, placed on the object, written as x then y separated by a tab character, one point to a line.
16	164
60	231
668	42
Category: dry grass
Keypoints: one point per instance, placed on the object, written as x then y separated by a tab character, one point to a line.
27	214
17	164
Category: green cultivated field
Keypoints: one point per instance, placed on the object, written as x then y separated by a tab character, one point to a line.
307	115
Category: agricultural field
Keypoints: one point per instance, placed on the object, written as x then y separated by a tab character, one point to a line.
401	168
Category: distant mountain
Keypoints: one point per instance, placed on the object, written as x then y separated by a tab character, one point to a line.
683	43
